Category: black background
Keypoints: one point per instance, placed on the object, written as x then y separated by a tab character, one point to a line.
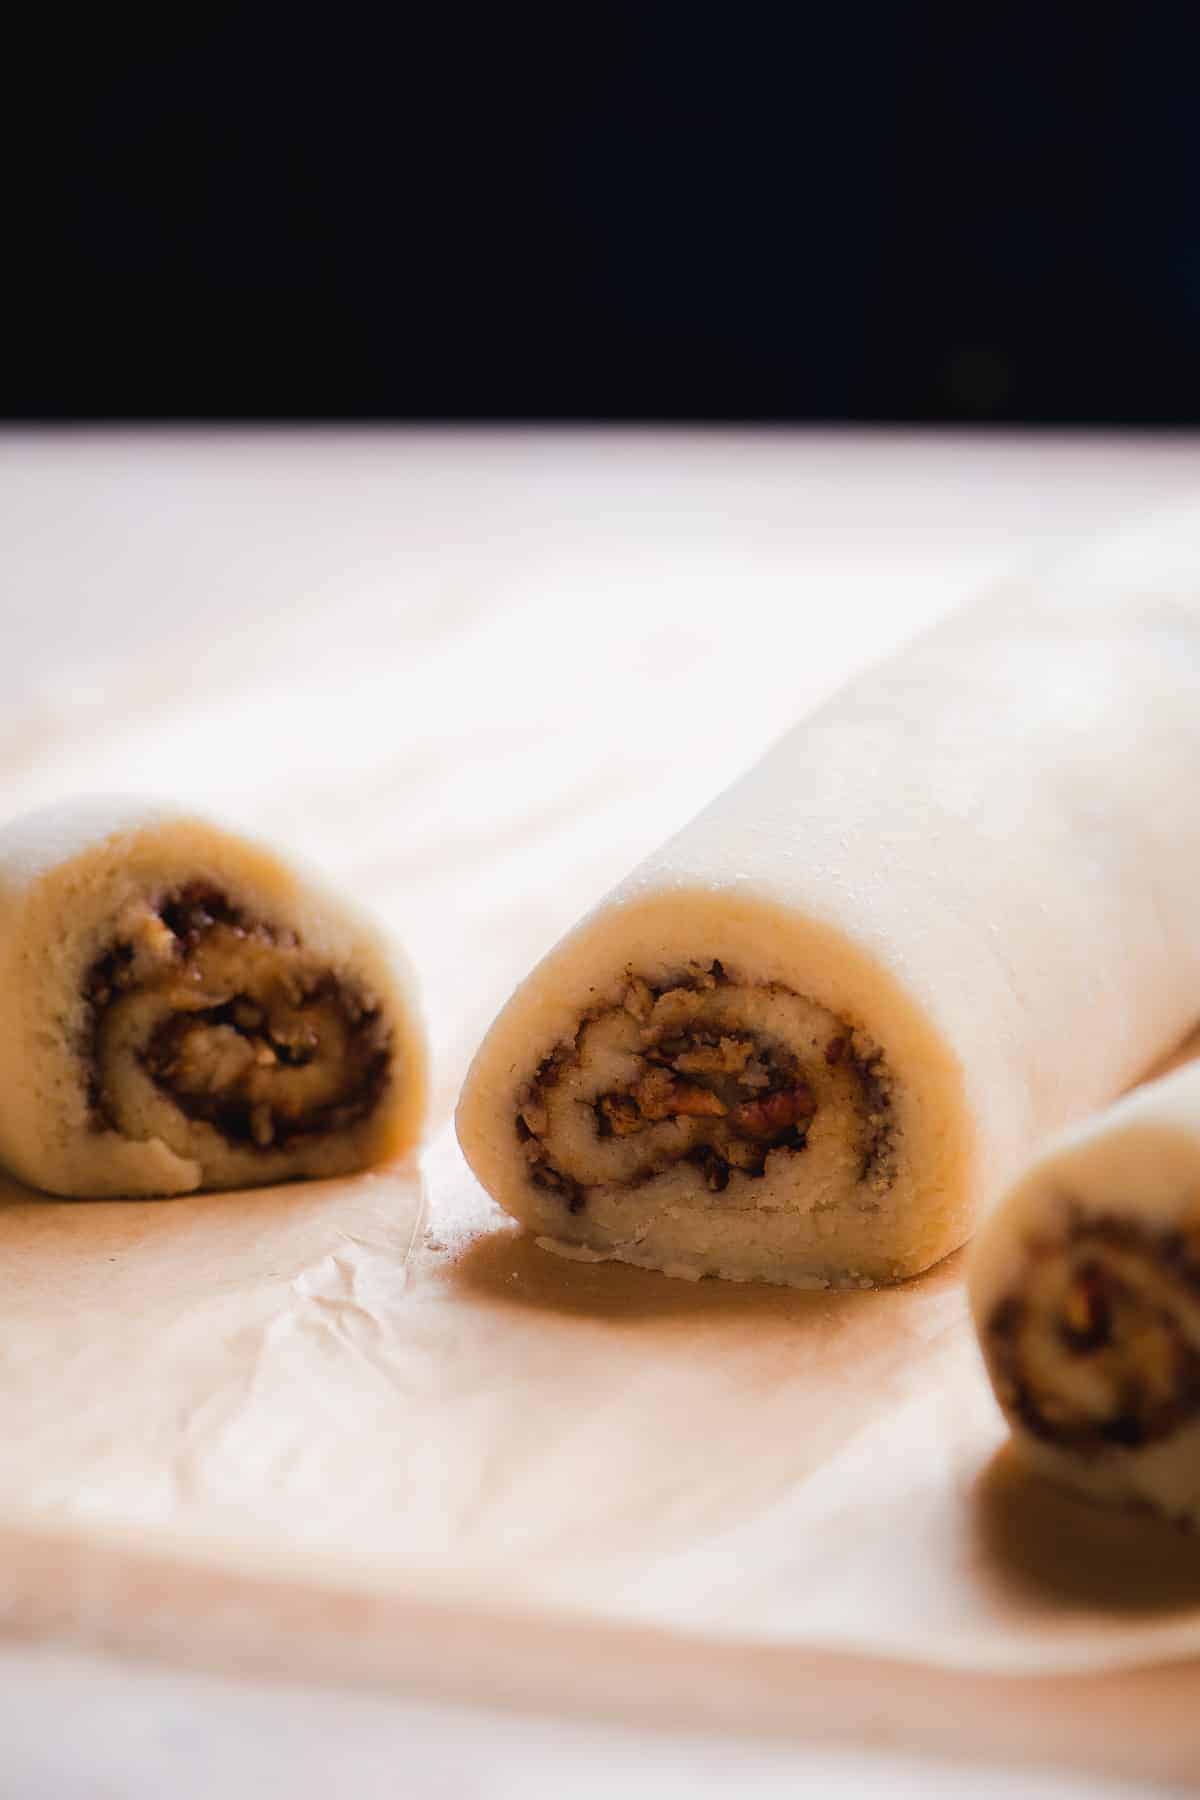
641	212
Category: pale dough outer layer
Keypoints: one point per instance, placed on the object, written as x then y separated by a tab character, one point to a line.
981	857
79	879
1085	1290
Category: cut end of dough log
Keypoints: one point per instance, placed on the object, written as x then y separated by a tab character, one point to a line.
234	1022
710	1114
706	1085
187	1011
1085	1290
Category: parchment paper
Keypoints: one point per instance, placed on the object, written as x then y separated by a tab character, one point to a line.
363	1427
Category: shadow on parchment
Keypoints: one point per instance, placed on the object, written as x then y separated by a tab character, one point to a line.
506	1266
1042	1542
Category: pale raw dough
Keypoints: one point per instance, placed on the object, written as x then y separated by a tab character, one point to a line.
81	881
1090	1267
981	858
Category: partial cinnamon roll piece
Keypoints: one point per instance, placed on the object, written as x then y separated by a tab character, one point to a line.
181	1009
1085	1289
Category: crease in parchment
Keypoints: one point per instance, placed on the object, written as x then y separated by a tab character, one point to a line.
347	1301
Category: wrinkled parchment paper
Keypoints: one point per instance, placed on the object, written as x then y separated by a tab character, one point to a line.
363	1426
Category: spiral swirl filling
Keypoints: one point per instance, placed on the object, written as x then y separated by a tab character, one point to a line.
233	1021
1098	1344
716	1083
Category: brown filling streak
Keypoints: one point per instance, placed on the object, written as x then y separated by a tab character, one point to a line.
750	1093
1113	1310
231	1064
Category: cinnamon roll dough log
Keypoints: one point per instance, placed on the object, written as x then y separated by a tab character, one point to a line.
809	1039
1085	1289
181	1009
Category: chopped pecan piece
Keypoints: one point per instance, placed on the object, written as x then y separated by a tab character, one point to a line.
660	1096
673	1011
623	1115
776	1112
210	1059
638	1001
1087	1310
728	1057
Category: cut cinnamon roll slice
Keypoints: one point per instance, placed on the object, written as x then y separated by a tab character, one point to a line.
183	1010
1085	1288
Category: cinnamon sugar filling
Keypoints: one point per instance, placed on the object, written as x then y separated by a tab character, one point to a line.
235	1022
